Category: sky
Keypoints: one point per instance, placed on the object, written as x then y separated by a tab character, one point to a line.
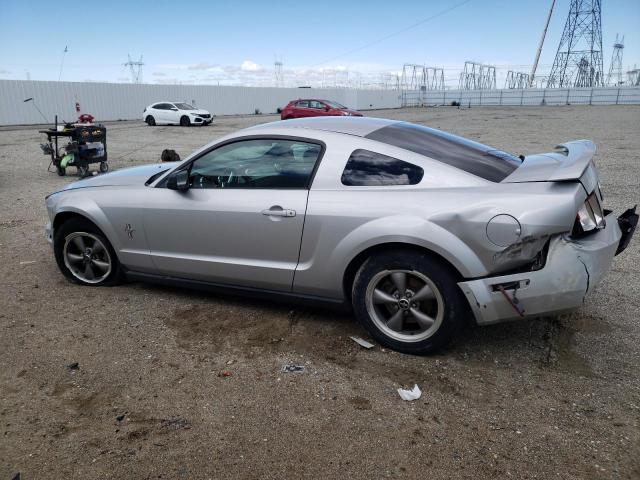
318	42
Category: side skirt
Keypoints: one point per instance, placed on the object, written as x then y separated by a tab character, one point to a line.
283	297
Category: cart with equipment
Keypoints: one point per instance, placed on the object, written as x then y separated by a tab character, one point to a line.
87	144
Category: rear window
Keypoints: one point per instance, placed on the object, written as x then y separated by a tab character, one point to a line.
365	168
472	157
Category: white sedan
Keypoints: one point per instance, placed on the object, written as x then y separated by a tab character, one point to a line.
175	113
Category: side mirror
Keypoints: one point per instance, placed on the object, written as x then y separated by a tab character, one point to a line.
327	108
174	109
178	181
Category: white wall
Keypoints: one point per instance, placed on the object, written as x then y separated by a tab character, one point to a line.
114	101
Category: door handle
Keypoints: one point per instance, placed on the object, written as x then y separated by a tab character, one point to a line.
278	211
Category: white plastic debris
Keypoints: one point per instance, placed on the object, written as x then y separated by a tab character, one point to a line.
409	395
362	342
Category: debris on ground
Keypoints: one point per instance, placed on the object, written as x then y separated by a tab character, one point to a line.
293	368
74	366
119	418
27	262
225	373
362	342
414	394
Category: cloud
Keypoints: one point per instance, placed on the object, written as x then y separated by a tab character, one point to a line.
203	66
251	73
249	66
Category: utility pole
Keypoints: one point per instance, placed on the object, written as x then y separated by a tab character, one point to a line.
64	53
544	34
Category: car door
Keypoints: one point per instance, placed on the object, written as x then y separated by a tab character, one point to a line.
173	113
319	109
302	109
160	112
241	220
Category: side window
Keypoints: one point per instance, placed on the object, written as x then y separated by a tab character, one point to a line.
162	106
316	104
365	168
262	163
303	104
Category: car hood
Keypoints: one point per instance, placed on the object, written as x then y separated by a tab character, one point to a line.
126	176
198	112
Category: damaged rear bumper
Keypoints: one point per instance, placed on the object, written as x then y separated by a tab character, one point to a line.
572	270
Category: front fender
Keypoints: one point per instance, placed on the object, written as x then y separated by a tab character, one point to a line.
122	226
91	211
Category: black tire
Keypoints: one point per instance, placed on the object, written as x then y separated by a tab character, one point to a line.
150	121
61	171
80	225
450	301
184	121
104	167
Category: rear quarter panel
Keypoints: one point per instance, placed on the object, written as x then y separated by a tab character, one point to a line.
446	213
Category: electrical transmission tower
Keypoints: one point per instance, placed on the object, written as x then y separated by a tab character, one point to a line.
421	77
516	80
390	81
135	68
633	77
412	76
578	61
477	76
615	69
434	78
278	72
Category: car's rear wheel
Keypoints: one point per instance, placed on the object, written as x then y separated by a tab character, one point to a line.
184	121
150	120
408	301
84	255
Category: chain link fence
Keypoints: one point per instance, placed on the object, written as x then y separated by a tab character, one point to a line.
524	97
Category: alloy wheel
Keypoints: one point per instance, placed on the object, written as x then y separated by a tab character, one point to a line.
86	257
405	304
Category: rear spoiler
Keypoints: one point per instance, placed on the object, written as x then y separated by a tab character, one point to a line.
568	162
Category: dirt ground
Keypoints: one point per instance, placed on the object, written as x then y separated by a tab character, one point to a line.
129	382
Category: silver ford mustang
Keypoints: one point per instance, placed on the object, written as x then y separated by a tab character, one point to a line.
414	228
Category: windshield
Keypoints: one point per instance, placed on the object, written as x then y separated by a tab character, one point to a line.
184	106
333	104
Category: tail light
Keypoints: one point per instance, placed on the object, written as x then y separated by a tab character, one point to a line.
590	216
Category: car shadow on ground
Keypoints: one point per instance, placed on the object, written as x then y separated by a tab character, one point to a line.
212	323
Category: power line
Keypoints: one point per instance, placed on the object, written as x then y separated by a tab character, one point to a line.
398	32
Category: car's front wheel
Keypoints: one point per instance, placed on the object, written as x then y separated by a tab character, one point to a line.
184	121
84	255
408	301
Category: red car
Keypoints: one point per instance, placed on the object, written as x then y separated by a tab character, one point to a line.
316	108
